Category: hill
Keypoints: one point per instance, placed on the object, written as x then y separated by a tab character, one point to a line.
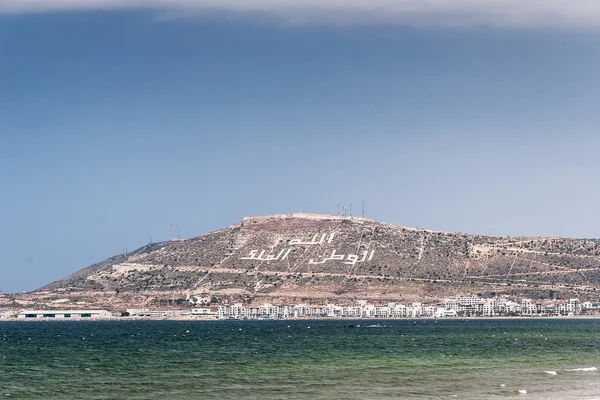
330	258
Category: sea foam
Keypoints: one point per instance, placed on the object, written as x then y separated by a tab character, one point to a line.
550	372
585	369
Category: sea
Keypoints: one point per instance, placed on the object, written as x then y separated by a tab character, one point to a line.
319	359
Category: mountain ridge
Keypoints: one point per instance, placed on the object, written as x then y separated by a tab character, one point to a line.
317	258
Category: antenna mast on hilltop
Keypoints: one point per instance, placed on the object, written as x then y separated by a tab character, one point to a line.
363	209
170	232
350	210
338	210
178	232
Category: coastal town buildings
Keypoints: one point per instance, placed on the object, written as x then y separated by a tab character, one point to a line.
468	306
461	306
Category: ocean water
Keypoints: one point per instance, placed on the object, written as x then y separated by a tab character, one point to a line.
447	359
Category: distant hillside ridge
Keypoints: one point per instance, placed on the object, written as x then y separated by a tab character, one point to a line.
103	265
333	258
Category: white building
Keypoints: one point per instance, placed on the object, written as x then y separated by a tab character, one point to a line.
574	307
429	310
450	304
442	312
331	310
469	301
236	310
415	310
301	310
286	311
488	308
351	312
382	310
134	312
202	311
62	314
528	307
400	311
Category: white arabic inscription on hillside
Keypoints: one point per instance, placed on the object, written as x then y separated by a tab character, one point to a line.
313	241
351	259
255	255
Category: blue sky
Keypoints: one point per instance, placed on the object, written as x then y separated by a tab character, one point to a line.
115	123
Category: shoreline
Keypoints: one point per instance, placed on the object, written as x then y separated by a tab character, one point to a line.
215	319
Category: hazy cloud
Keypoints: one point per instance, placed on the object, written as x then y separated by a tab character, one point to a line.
499	13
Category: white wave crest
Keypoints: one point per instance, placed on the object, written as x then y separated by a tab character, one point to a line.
585	369
550	372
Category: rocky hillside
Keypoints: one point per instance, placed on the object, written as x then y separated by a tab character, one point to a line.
75	280
321	258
